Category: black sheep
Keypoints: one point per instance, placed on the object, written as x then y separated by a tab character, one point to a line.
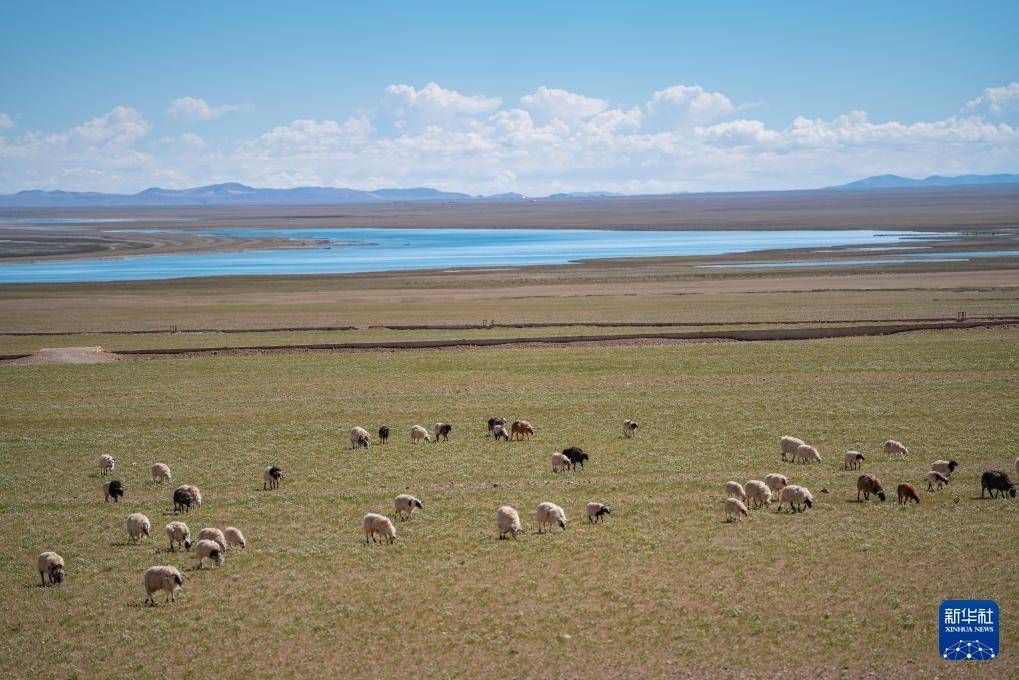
181	500
576	455
114	490
442	430
996	482
383	434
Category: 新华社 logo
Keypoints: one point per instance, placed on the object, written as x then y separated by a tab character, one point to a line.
968	630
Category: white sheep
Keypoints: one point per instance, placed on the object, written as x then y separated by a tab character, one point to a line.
359	437
560	462
596	512
630	428
499	432
417	433
734	510
405	504
549	514
378	526
776	482
161	473
138	525
178	532
508	521
796	497
891	446
164	578
945	467
213	534
852	460
208	549
50	565
807	454
234	537
735	490
935	477
758	493
107	463
789	445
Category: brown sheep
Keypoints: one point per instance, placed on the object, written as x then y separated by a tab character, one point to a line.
907	493
868	484
521	428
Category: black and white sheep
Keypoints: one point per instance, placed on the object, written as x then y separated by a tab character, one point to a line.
271	477
596	512
165	578
50	565
405	505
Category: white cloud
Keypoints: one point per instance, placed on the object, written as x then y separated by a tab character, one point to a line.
6	122
546	104
410	109
681	106
997	102
191	108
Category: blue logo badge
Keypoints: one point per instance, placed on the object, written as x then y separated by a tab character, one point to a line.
968	630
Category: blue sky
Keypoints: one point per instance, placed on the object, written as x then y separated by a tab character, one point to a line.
87	89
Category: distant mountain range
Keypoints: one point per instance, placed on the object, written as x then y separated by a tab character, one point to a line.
232	193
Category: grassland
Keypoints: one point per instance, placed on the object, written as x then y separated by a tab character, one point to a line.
664	587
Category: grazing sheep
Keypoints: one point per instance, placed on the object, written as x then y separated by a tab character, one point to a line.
807	454
508	521
178	532
405	504
113	489
596	512
138	525
907	493
234	537
359	438
734	510
852	460
935	477
521	428
868	484
996	481
493	422
164	578
776	482
891	446
758	493
161	473
383	434
208	549
576	455
417	433
499	432
735	490
797	497
379	526
560	463
945	467
271	477
213	534
50	565
441	430
550	513
185	496
107	463
629	428
788	445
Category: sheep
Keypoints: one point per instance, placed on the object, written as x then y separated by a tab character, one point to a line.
576	455
138	525
441	430
735	490
405	504
520	428
596	512
379	526
213	534
208	549
560	462
234	538
417	433
178	532
271	477
160	473
996	481
945	467
891	446
907	493
508	521
776	482
493	423
359	438
50	565
629	428
788	446
734	510
758	493
185	496
383	434
935	477
549	514
868	484
796	497
113	489
1017	466
107	464
807	454
852	460
499	432
164	578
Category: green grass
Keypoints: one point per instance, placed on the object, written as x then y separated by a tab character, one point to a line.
664	586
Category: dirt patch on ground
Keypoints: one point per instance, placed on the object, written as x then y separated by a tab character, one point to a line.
67	355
